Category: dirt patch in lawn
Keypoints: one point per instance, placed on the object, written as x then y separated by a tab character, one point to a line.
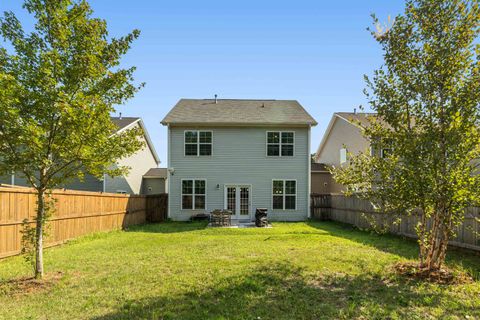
29	285
412	271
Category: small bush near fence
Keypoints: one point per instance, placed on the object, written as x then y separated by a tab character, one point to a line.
360	213
76	213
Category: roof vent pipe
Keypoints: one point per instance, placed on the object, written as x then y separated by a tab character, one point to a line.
215	99
354	110
120	116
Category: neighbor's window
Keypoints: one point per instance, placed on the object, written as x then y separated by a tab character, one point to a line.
280	143
387	148
198	143
193	194
385	152
284	194
343	155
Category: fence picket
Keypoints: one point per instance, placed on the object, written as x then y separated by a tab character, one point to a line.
76	213
351	210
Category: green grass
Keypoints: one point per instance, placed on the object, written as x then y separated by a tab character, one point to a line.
186	271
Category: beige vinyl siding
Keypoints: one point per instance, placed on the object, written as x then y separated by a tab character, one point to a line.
239	157
139	164
342	133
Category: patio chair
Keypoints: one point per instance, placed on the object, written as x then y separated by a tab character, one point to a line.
220	218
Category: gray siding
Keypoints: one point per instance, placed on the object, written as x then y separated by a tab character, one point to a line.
5	179
153	186
239	157
19	180
89	183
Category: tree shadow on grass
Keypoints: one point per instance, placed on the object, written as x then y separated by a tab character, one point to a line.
286	292
398	245
169	227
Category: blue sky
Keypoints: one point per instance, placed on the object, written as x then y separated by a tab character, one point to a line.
315	52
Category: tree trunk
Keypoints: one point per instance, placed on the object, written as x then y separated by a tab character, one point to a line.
438	241
39	234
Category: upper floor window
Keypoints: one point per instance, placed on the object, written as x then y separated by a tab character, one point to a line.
198	143
280	143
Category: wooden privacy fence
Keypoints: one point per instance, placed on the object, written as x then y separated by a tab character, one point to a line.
320	205
76	213
157	207
360	213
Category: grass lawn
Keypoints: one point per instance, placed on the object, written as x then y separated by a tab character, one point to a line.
186	271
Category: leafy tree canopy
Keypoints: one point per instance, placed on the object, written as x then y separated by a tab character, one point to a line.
427	99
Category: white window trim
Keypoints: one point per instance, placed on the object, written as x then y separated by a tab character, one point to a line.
382	152
198	143
250	204
284	194
280	144
193	194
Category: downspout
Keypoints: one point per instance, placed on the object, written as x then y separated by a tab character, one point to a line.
169	179
104	183
309	173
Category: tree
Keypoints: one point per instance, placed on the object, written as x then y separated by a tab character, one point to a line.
427	99
59	85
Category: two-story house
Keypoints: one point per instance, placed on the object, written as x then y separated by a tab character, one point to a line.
344	135
140	178
239	155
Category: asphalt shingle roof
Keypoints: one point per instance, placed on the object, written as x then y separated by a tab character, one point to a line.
315	167
123	121
156	173
361	117
238	112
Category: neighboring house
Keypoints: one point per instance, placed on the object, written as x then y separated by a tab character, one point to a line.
343	136
239	155
139	163
322	181
155	181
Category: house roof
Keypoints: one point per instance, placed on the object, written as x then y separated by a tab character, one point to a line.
238	112
156	173
360	117
354	118
124	123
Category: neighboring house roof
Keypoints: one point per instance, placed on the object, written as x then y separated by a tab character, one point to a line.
238	112
354	118
156	173
124	123
318	167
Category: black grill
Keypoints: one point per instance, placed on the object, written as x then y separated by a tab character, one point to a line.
261	217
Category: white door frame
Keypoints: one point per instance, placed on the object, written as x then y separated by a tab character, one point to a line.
237	187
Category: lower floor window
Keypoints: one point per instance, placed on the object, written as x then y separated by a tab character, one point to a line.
284	194
193	194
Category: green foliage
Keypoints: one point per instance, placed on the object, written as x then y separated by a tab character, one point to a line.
59	85
29	232
427	98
